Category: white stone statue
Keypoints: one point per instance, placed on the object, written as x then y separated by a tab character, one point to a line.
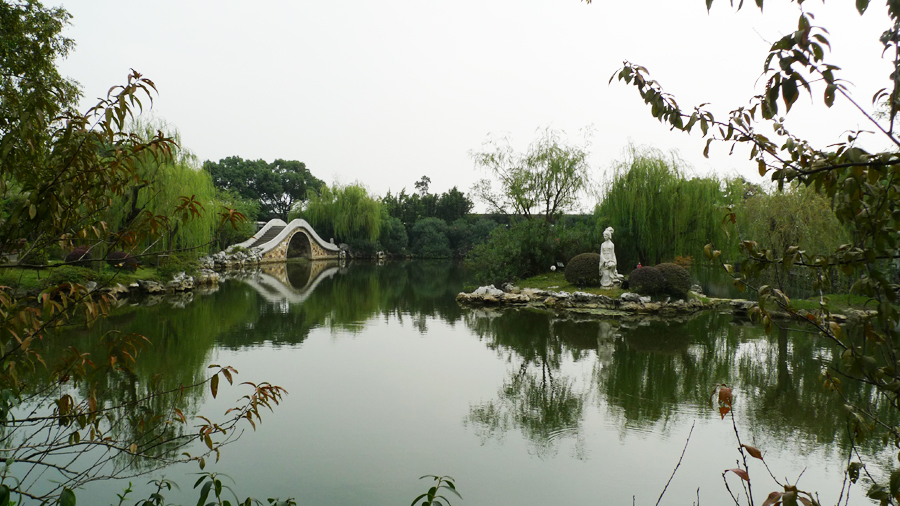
608	274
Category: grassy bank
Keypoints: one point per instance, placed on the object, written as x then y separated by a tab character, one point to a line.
39	279
556	281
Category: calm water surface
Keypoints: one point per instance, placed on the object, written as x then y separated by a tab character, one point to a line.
390	379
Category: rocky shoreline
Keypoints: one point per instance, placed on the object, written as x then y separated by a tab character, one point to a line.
627	305
179	289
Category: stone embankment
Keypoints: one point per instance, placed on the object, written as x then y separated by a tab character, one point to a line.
626	305
582	302
178	290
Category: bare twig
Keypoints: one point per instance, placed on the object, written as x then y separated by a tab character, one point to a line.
678	464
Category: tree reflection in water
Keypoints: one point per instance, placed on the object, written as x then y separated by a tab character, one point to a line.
651	372
537	398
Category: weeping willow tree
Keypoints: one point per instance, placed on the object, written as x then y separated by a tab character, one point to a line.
658	213
162	182
795	216
346	212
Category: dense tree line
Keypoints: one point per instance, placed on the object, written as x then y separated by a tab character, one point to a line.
277	187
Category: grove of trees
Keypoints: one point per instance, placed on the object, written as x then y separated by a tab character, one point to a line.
277	187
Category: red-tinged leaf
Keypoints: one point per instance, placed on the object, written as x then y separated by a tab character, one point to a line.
773	498
214	385
92	403
724	411
753	451
740	472
133	448
227	374
725	395
805	501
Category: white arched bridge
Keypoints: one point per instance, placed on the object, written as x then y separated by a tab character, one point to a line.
278	240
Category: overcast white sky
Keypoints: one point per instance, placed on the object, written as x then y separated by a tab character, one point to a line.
385	92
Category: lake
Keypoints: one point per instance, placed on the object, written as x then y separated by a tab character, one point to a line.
389	379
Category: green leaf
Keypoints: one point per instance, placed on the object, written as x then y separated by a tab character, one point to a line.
829	94
789	92
214	385
204	493
708	5
895	482
861	5
67	498
4	495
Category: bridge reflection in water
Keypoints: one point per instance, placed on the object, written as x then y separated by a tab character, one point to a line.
290	282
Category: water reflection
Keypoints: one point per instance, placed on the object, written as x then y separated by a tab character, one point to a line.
649	372
558	374
536	397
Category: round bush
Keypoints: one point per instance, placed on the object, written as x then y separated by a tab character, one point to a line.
122	260
646	280
584	270
677	279
68	274
79	256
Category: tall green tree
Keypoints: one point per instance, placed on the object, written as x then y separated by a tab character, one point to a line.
861	186
348	211
30	45
453	205
159	184
657	212
278	186
546	181
410	208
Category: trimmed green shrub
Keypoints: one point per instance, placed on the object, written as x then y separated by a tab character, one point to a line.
584	270
677	279
68	274
646	280
35	257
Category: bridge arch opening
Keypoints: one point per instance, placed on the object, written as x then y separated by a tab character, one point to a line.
299	247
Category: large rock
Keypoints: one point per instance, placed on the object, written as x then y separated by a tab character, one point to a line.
151	287
180	283
488	290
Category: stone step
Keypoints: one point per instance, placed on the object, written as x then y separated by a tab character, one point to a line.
268	236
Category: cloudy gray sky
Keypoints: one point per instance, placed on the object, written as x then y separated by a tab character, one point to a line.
385	92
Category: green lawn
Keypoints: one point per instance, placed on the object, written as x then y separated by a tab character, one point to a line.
556	281
37	279
836	302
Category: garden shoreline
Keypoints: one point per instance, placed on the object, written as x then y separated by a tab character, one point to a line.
627	305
